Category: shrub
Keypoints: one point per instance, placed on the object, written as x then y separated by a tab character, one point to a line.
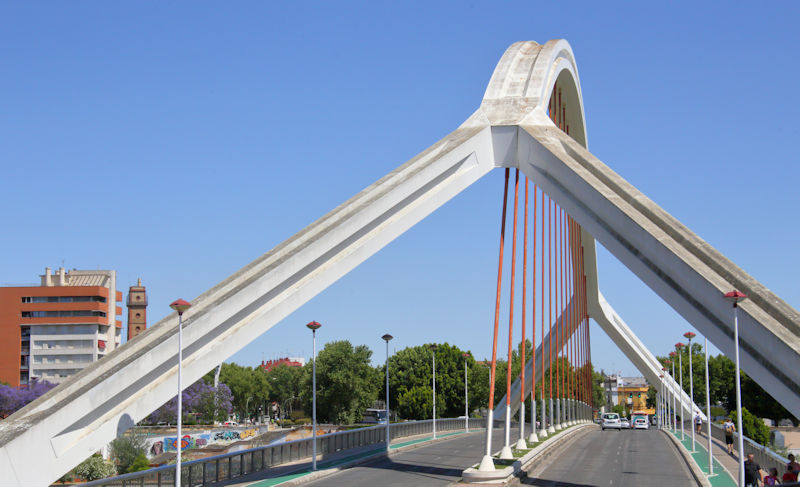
126	448
95	468
139	463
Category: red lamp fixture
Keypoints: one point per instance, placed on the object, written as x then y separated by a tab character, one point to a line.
689	335
465	354
180	306
735	296
679	345
673	354
313	325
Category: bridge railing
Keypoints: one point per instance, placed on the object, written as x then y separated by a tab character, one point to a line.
231	465
762	454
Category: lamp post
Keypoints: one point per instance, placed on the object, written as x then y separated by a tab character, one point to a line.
660	402
689	335
433	356
664	397
708	411
386	338
180	306
678	346
466	395
736	296
314	326
667	398
674	411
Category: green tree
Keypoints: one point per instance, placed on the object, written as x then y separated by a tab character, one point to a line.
411	382
248	386
346	383
284	384
126	448
754	428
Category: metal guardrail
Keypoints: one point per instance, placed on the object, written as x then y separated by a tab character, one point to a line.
762	454
231	465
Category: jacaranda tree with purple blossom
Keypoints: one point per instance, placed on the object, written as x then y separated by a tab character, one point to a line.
14	398
199	399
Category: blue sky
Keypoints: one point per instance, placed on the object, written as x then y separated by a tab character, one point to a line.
178	141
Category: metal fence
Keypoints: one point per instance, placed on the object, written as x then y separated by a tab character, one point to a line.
231	465
762	455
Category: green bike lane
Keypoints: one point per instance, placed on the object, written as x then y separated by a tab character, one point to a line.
721	476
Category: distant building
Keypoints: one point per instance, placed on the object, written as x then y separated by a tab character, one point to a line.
288	361
630	392
137	309
51	331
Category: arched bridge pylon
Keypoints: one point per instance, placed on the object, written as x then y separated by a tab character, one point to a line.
48	437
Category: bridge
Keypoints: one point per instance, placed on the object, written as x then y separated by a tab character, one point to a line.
531	121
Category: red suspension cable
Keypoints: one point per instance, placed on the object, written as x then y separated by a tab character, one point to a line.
511	296
497	299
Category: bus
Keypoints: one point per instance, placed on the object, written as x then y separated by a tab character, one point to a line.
372	415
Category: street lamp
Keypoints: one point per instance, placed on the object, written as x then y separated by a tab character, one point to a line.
660	403
689	335
664	397
674	411
679	346
180	306
670	394
314	326
433	355
708	411
386	338
466	395
736	296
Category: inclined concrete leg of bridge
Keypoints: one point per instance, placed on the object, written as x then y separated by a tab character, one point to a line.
681	268
48	437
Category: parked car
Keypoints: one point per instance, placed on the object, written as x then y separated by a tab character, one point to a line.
611	421
624	424
641	424
231	423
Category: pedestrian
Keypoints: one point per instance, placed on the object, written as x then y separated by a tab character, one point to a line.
793	463
729	429
752	472
790	475
772	478
698	423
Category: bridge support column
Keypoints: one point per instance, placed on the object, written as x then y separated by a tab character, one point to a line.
551	428
533	437
543	430
521	445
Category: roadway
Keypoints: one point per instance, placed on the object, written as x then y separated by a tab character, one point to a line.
432	465
615	458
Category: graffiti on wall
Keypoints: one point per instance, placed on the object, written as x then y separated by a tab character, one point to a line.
170	443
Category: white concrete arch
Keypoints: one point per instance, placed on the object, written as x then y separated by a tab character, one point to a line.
511	128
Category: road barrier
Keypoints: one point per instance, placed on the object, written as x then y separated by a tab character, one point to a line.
232	465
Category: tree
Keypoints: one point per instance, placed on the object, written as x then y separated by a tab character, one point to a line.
14	398
753	427
125	449
248	386
346	383
411	382
197	400
139	463
284	383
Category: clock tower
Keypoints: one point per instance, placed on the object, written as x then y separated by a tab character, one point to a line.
137	310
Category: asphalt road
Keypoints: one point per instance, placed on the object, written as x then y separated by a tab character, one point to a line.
437	464
615	458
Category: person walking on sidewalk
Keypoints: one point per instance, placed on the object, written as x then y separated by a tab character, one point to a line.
729	429
698	423
752	472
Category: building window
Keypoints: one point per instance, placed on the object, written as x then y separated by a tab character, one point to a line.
26	299
62	314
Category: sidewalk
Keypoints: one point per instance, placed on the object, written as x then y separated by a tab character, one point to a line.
725	465
326	464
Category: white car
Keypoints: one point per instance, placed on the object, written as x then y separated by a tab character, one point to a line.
611	421
640	424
